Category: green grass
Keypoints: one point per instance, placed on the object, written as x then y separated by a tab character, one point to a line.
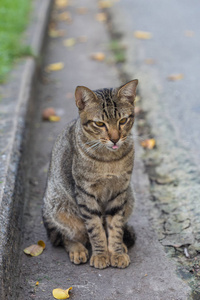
14	16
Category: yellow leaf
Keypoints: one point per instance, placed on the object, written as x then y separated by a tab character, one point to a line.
69	42
34	250
98	56
42	244
65	16
148	144
62	3
143	35
61	294
54	67
175	77
37	283
101	17
105	3
54	118
56	33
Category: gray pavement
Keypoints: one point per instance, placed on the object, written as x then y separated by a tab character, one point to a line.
170	114
151	274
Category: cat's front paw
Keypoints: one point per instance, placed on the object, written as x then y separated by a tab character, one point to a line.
119	260
100	261
79	256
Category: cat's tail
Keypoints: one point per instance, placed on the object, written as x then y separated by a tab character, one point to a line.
129	236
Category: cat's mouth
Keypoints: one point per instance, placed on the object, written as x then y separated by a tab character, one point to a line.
115	147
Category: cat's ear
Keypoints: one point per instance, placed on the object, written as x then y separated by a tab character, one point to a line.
128	90
82	95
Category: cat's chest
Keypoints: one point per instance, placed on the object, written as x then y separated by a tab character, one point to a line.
110	171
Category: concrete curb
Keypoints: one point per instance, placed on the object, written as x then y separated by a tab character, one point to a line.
14	113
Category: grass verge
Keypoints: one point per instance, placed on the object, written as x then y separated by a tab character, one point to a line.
14	16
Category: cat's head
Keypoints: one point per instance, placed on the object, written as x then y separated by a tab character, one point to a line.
107	115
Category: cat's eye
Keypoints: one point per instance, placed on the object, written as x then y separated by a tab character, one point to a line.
100	124
123	121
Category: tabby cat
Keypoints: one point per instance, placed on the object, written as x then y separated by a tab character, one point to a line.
88	196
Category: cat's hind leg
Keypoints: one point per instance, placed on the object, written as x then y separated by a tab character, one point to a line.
70	232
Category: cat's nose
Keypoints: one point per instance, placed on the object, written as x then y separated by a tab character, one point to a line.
114	140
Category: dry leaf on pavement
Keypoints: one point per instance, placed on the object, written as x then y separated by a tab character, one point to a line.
143	35
61	3
175	77
42	244
101	17
54	67
61	294
98	56
69	42
47	112
148	144
37	283
105	3
35	250
65	16
54	33
54	118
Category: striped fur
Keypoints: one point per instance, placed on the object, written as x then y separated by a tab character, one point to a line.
88	196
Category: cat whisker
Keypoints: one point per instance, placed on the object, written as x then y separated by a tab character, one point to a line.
91	142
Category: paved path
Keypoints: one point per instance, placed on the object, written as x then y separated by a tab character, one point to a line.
151	275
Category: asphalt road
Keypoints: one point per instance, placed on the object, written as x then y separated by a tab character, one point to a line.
175	48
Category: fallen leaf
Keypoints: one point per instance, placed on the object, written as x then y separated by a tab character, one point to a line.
54	33
82	10
37	283
189	33
98	56
175	77
101	17
69	42
61	294
149	61
65	16
33	250
62	3
143	35
54	118
54	67
42	244
148	144
47	112
105	3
